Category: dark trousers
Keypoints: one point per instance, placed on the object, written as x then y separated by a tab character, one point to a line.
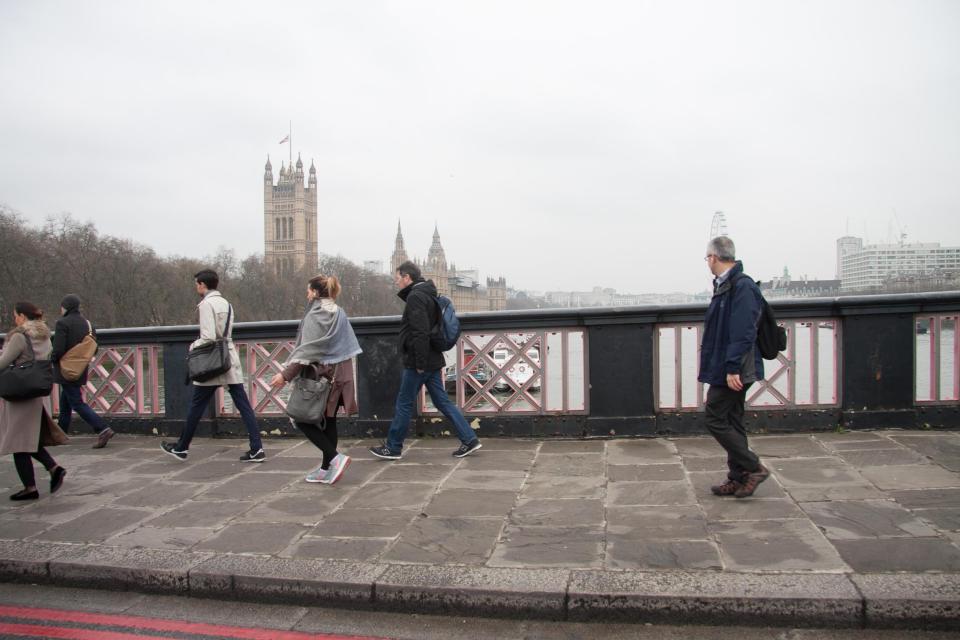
71	399
24	465
323	438
198	404
725	409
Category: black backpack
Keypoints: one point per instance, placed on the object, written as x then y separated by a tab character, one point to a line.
771	337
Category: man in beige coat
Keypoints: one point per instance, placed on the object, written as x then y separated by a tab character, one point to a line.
215	311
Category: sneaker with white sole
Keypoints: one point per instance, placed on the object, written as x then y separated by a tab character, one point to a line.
253	456
171	448
467	449
318	476
384	452
337	466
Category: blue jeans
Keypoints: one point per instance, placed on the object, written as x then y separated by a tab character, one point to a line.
198	404
410	385
71	399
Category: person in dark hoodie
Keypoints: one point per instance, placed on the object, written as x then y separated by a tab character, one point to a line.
730	362
71	329
422	365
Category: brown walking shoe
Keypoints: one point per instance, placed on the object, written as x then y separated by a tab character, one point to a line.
751	482
103	438
728	488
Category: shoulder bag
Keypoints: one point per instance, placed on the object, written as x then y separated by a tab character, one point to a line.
212	359
308	397
76	360
30	379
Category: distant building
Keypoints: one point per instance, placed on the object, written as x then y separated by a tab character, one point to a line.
718	226
606	297
845	246
290	219
462	287
869	268
373	266
786	287
399	255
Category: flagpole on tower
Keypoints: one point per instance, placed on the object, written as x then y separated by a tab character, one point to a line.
290	133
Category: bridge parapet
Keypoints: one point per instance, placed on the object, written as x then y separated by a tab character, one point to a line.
851	362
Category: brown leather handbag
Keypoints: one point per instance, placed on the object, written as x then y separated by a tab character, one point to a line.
76	360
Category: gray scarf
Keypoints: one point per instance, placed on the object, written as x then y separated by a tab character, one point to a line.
324	336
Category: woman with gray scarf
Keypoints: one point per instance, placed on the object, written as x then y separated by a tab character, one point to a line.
326	340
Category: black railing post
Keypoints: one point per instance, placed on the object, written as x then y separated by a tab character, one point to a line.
176	393
878	370
378	379
621	379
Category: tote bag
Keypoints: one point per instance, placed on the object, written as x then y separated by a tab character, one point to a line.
308	397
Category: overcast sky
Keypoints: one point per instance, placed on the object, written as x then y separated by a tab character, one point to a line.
562	145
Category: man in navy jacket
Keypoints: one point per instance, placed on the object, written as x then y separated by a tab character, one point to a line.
730	362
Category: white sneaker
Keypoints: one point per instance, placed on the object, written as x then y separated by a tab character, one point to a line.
318	475
337	466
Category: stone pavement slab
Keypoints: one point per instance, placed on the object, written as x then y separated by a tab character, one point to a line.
442	541
549	528
548	547
855	519
628	552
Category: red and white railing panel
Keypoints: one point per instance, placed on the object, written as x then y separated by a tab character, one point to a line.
805	375
532	372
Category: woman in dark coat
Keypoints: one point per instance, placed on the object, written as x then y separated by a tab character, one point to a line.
326	340
23	421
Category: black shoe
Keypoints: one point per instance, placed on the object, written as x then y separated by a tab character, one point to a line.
253	456
23	494
384	452
103	437
467	449
171	448
56	479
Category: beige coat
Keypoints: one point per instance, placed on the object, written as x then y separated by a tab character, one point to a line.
213	311
20	421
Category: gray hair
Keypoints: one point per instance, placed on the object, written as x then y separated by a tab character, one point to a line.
723	248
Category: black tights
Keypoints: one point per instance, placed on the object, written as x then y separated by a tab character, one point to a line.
324	439
25	465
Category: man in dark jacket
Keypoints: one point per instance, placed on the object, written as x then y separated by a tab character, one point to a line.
71	329
730	362
422	365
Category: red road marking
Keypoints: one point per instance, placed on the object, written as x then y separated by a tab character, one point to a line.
38	631
136	622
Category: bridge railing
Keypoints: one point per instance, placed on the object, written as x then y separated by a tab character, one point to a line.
870	361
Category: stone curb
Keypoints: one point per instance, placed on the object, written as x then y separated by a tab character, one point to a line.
920	601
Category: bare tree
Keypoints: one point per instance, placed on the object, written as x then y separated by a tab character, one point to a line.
123	283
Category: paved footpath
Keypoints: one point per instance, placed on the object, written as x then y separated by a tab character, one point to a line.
852	529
